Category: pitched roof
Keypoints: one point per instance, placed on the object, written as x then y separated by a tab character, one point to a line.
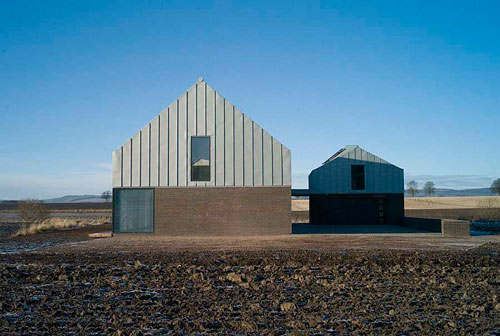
348	149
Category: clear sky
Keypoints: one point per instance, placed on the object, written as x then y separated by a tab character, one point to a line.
415	82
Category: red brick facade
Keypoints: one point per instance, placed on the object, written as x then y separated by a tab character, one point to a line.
183	211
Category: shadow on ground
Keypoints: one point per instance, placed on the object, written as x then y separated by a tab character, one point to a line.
301	228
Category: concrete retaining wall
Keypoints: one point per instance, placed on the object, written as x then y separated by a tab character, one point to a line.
447	227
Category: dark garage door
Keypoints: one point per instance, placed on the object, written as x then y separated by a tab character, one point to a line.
133	210
348	210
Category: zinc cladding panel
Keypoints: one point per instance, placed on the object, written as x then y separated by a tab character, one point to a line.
267	157
182	138
241	153
219	140
133	210
383	178
163	150
117	168
136	160
287	166
247	151
210	129
257	157
172	144
201	111
377	174
144	182
191	129
390	178
229	143
126	164
238	148
277	163
155	140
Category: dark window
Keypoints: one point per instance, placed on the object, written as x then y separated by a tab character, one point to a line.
133	210
200	158
358	177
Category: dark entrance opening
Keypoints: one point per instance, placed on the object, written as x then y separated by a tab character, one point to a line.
133	210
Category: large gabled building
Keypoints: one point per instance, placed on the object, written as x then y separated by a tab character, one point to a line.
202	167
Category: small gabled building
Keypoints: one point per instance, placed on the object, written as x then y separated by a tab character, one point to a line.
355	187
202	167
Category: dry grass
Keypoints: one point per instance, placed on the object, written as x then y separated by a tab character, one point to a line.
56	223
450	202
62	210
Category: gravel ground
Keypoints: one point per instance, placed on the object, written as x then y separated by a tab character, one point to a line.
364	292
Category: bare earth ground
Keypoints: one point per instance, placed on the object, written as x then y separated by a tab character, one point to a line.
325	291
354	284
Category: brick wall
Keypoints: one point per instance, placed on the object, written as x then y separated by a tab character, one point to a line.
181	211
455	228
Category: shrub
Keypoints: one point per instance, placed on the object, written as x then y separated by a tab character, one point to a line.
489	210
31	210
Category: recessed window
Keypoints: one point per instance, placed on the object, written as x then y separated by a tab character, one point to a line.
133	210
358	177
200	159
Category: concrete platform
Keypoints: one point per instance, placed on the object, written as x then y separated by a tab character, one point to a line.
295	242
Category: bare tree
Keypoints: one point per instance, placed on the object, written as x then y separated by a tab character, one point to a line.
412	188
495	186
429	188
106	195
32	210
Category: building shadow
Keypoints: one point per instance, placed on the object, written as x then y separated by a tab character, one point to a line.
304	228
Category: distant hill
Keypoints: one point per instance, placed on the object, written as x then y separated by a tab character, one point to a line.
440	192
75	199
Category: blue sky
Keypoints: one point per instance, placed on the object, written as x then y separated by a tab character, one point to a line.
417	83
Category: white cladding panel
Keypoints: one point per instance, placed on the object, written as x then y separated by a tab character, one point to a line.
210	129
219	141
172	144
229	143
163	150
182	138
241	152
117	167
287	166
136	160
238	148
155	141
267	150
191	130
145	156
334	177
126	180
257	158
247	151
277	163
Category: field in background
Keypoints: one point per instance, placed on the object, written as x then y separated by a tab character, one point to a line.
452	202
430	203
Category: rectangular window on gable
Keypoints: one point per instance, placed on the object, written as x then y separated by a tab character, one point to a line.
358	177
200	158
